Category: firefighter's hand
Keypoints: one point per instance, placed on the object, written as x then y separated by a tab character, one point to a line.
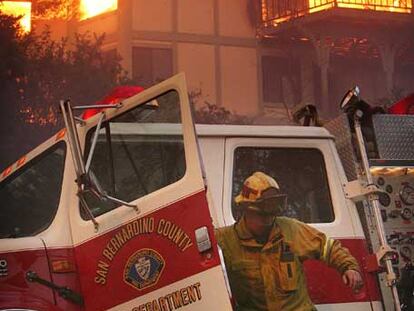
353	279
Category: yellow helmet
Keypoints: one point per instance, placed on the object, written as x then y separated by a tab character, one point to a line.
261	193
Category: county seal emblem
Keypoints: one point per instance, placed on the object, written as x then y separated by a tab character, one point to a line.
143	268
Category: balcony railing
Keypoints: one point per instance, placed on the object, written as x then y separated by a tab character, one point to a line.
275	12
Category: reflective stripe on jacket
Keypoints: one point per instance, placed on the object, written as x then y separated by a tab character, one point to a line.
270	276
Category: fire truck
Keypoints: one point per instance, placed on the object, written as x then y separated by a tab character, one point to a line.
117	210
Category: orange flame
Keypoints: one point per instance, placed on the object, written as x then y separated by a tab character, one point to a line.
395	6
274	17
18	8
91	8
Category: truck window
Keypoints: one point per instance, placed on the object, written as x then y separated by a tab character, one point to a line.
138	153
30	197
300	173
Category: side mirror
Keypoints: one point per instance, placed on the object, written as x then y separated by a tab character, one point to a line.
350	100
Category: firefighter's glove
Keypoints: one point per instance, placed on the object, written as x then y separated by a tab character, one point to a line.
353	279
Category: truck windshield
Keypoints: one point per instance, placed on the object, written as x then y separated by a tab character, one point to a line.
137	153
30	197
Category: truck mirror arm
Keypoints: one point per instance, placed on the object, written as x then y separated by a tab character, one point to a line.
94	142
85	180
92	184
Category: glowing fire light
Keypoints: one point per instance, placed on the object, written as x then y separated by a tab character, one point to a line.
395	6
91	8
18	8
272	14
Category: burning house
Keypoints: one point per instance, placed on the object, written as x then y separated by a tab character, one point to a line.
368	43
260	57
19	8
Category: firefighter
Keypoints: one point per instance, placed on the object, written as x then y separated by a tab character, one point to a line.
264	252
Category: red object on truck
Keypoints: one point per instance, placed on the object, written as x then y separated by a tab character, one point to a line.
403	106
115	96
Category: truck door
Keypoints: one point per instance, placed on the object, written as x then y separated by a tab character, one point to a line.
29	199
16	261
152	246
305	170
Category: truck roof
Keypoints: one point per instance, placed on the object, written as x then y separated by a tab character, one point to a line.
262	131
219	130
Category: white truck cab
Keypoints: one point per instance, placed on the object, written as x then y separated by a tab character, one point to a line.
118	211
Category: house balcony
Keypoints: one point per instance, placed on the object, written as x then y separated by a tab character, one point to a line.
377	34
280	15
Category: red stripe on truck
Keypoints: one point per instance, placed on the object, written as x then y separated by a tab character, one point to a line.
104	263
109	264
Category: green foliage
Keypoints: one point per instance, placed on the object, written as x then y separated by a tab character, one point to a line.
37	72
11	48
213	114
57	70
209	113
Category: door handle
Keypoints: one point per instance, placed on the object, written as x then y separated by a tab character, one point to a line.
63	291
203	239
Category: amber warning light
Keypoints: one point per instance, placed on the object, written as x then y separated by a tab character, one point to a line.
62	266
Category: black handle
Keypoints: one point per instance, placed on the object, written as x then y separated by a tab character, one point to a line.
64	292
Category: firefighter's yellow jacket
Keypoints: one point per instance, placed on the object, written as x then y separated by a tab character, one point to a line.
270	276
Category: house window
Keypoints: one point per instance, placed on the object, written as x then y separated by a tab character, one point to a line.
151	65
272	79
281	80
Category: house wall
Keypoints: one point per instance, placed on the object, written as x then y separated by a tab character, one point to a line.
58	28
105	23
214	42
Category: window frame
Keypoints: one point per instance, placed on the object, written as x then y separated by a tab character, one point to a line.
333	176
278	148
267	101
282	63
151	48
90	132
